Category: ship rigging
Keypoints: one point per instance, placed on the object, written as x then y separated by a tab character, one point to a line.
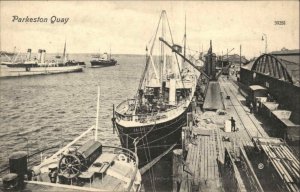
153	119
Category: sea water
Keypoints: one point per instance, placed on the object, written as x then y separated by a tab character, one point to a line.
37	112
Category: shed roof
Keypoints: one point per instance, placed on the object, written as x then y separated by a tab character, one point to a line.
256	87
291	60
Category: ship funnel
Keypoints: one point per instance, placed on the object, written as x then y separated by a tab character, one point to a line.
172	92
28	54
39	55
43	56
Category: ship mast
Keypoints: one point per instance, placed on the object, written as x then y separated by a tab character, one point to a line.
109	52
97	117
64	54
148	59
184	45
163	62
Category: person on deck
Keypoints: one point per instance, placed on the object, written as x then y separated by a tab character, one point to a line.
232	124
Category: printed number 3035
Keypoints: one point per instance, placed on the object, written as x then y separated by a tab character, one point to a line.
279	22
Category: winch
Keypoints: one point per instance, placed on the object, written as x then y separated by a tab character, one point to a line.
73	162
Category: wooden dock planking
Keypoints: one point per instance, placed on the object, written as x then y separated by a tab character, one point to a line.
209	161
196	163
295	161
206	149
202	157
190	160
282	161
285	161
213	156
215	166
202	160
206	159
221	146
283	173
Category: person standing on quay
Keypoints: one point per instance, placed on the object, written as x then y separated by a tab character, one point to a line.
232	124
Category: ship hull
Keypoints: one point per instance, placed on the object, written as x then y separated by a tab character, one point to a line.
22	65
156	138
19	72
103	63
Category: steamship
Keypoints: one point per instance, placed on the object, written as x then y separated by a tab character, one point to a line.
152	122
82	165
103	60
40	61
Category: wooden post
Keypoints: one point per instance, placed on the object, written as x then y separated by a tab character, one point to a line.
177	169
183	138
97	117
189	119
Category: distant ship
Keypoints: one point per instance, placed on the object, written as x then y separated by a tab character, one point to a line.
66	62
103	61
152	121
38	66
40	61
5	53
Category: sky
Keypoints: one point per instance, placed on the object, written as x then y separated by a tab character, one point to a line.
127	26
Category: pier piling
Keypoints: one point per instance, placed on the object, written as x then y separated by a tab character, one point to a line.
177	169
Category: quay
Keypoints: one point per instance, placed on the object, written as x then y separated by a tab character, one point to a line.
214	157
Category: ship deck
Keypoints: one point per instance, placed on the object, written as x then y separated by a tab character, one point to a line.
208	141
114	175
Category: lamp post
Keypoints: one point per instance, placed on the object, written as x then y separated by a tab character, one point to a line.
266	42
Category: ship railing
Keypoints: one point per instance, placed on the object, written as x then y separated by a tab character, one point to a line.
147	117
34	158
130	157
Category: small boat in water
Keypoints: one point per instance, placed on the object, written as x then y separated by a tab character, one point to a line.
66	62
85	164
103	60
